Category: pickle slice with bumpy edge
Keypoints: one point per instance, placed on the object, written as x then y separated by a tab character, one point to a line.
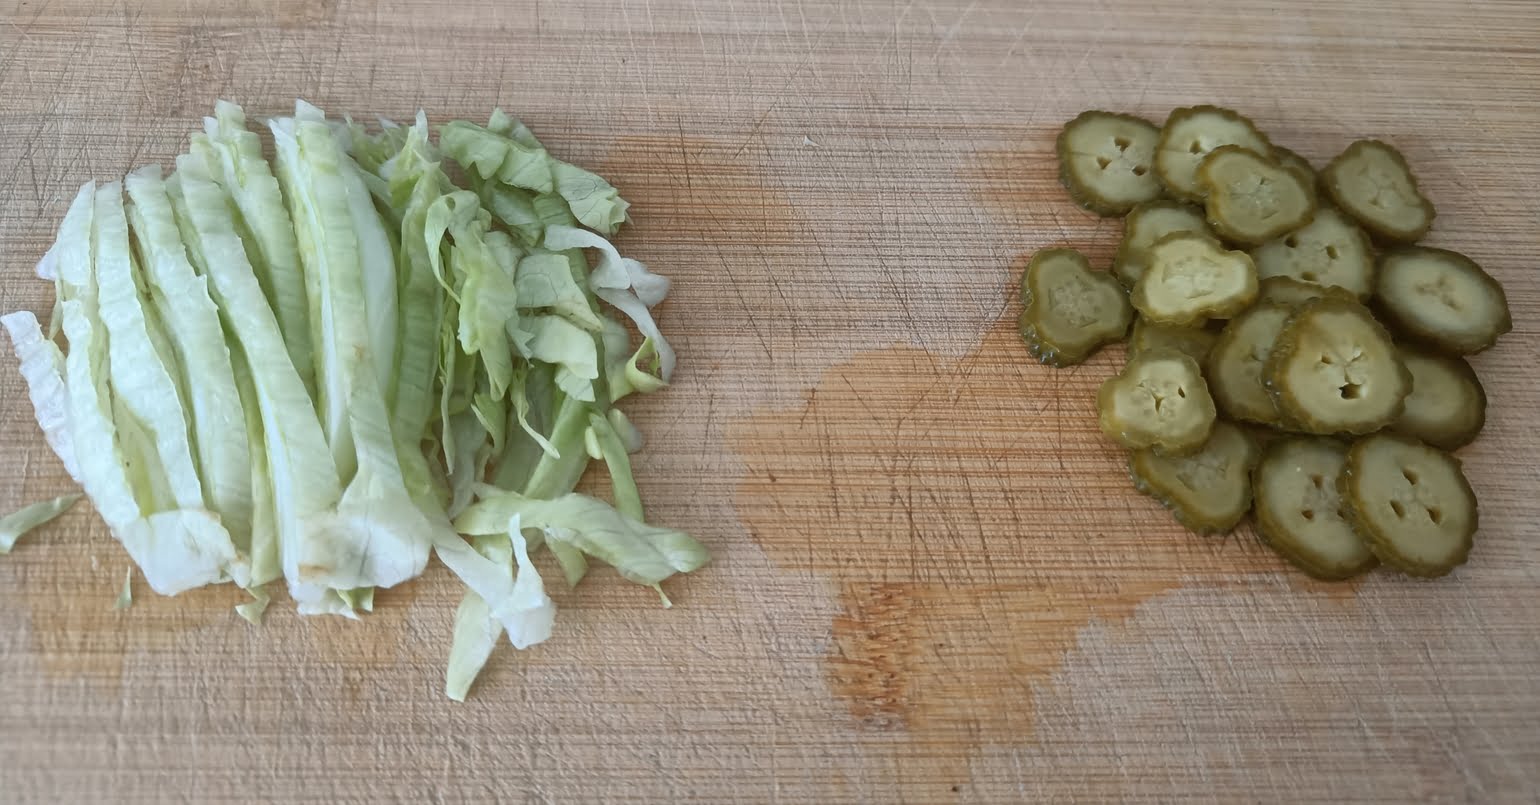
1335	370
1069	310
1159	400
1191	278
1410	502
1105	161
1234	366
1146	224
1371	182
1330	250
1297	165
1208	491
1190	134
1442	298
1251	199
1299	510
1295	293
1195	342
1447	406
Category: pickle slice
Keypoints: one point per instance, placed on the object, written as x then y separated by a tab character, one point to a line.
1411	502
1146	224
1069	310
1447	406
1297	165
1442	298
1208	491
1105	161
1330	250
1234	367
1190	134
1251	199
1295	293
1300	512
1195	342
1372	182
1192	278
1335	370
1159	400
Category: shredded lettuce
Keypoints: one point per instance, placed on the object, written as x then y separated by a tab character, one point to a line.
125	597
16	524
42	367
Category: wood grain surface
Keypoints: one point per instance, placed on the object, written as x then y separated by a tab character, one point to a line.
932	580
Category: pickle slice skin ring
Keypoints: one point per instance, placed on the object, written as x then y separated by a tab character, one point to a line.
1234	370
1442	298
1334	370
1159	400
1191	278
1411	503
1372	182
1146	224
1069	310
1250	199
1208	491
1299	509
1106	161
1190	134
1195	342
1331	250
1447	407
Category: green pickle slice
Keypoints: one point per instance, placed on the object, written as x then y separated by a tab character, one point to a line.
1411	502
1297	165
1447	406
1208	491
1251	199
1146	224
1105	161
1372	182
1334	370
1191	278
1235	365
1069	310
1195	342
1300	512
1190	134
1159	400
1442	298
1295	293
1330	250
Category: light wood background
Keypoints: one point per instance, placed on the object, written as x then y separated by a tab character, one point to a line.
932	580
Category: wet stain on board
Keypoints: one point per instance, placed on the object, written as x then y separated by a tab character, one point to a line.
973	520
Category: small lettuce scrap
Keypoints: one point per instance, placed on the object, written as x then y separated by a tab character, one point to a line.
15	525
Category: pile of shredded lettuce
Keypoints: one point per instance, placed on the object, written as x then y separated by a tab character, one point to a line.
317	370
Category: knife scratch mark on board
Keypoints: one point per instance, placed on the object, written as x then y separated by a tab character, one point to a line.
1021	528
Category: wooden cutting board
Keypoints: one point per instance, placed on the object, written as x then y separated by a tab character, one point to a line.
932	580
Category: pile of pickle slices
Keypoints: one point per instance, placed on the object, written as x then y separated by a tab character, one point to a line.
1292	354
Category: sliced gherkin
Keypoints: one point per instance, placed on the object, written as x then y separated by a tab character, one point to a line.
1159	400
1411	502
1105	161
1191	278
1297	165
1295	293
1208	491
1069	311
1190	134
1447	406
1300	512
1442	298
1330	250
1251	199
1234	370
1146	224
1371	182
1335	370
1195	342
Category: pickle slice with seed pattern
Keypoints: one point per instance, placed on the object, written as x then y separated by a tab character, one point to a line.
1105	161
1159	400
1251	199
1372	182
1190	134
1411	502
1235	365
1069	310
1330	250
1442	298
1191	278
1208	491
1334	370
1300	512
